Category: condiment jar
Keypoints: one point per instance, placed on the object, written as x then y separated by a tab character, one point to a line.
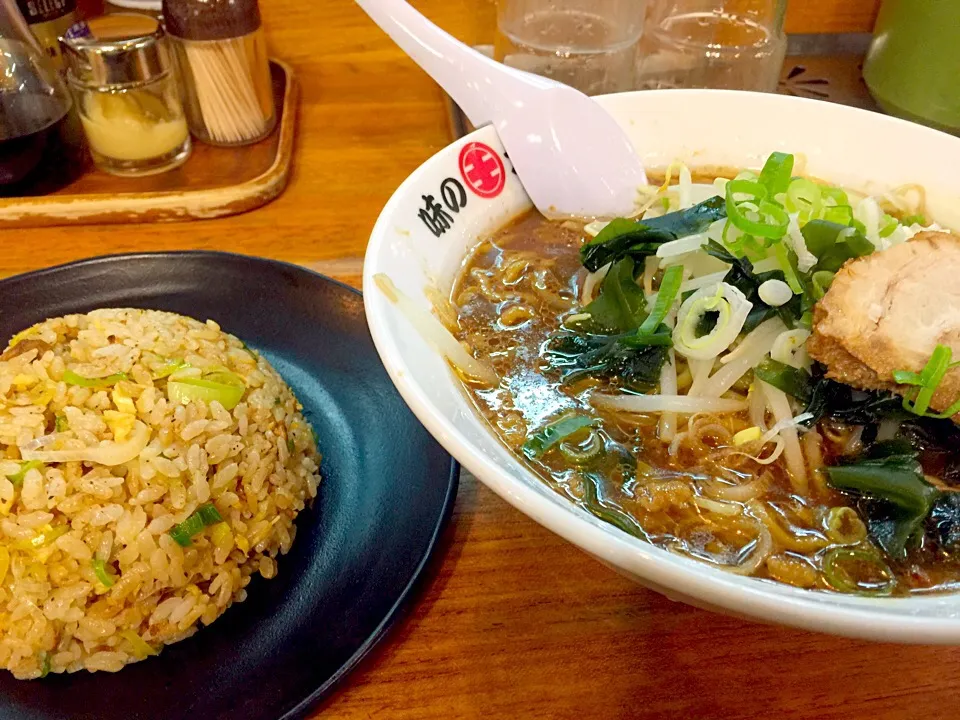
41	144
48	21
123	78
222	53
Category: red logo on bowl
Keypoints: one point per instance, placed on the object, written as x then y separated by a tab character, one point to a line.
482	170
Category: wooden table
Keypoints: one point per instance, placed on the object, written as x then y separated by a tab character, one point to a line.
515	623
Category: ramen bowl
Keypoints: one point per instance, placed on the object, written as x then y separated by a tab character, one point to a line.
468	190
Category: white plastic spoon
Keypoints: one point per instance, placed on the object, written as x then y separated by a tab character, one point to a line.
573	158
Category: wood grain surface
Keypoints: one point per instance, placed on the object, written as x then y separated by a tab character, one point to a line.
213	182
818	16
514	622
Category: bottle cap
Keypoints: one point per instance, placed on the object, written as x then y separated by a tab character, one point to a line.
119	49
211	19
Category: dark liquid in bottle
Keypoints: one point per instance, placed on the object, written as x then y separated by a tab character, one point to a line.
43	158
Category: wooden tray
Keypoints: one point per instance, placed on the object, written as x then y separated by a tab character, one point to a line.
212	183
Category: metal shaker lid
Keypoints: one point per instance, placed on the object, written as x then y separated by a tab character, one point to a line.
118	49
211	19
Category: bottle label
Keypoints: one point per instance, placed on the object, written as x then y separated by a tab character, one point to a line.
49	20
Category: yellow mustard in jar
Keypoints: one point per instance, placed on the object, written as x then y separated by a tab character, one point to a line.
132	125
124	83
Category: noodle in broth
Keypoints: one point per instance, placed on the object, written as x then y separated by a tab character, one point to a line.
728	488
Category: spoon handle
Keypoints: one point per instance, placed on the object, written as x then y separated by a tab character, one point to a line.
475	82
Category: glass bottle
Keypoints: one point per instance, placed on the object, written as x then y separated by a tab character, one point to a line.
731	44
49	20
122	76
41	147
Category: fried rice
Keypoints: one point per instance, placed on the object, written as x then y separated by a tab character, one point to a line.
150	464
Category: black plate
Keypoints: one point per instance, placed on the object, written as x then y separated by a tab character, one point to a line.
386	493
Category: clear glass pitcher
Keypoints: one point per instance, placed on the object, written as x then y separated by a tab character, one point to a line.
588	44
41	147
730	44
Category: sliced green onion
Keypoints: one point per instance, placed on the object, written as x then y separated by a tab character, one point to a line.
835	195
754	248
928	381
202	517
732	309
225	387
772	219
169	368
914	220
804	196
948	413
844	525
17	477
782	253
776	173
905	377
582	453
666	296
44	665
733	238
840	566
752	189
661	338
545	439
71	378
821	281
887	225
841	214
60	423
42	538
100	570
140	647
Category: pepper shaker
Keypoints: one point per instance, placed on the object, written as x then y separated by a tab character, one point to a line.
222	53
123	80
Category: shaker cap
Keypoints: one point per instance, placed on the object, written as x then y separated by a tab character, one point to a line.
118	49
211	19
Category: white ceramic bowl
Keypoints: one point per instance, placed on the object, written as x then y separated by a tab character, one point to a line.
852	147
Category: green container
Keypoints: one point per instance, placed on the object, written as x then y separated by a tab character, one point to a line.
913	66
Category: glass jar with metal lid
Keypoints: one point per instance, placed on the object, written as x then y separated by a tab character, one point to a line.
121	73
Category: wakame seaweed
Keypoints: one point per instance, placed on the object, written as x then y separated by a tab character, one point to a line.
834	244
742	276
639	238
897	497
592	483
580	355
829	398
620	305
943	522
